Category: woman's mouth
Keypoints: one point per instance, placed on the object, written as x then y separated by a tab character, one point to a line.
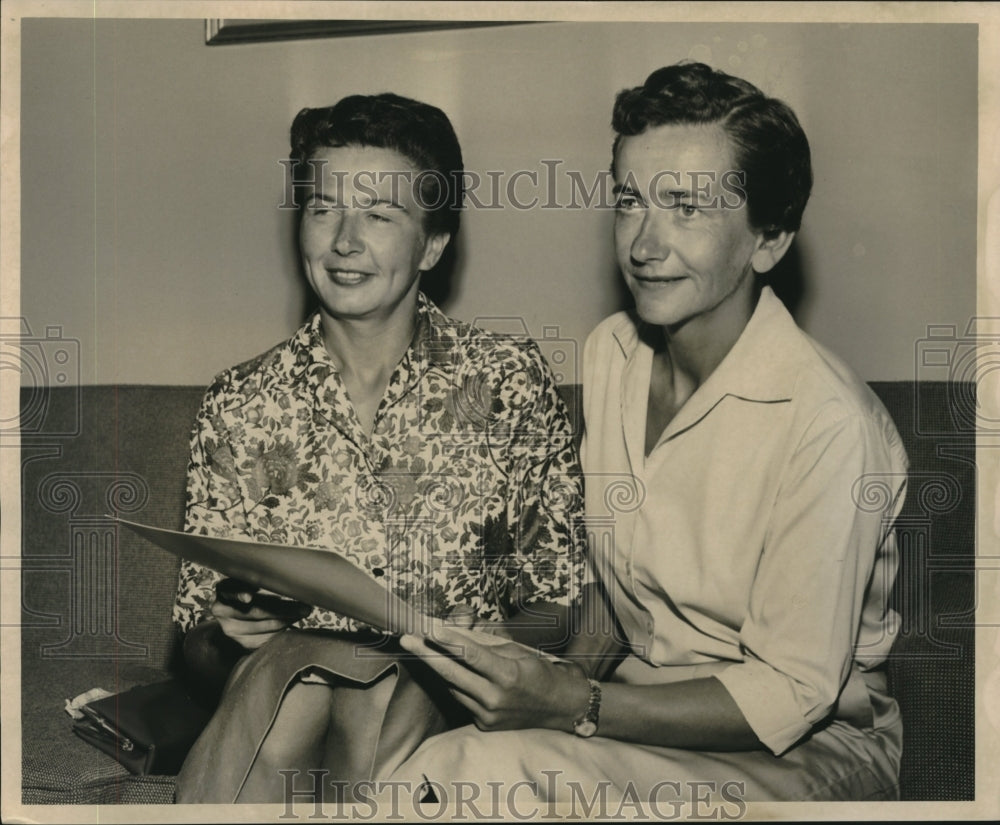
347	277
652	280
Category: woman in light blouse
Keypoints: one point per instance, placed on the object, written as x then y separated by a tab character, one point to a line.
730	463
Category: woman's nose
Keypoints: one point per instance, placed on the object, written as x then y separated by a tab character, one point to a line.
651	242
347	239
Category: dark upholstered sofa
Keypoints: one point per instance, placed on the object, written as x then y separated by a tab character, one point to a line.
96	604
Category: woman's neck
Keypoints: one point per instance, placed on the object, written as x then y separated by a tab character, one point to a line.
696	348
366	352
371	346
368	347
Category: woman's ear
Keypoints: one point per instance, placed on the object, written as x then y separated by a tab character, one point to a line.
433	248
770	251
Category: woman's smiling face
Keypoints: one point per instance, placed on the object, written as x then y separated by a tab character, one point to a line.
683	241
362	233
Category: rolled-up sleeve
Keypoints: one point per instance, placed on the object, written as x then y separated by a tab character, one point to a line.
822	544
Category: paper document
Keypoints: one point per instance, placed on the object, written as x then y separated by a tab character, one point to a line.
318	577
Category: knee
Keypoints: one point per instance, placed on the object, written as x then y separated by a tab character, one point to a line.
452	754
298	734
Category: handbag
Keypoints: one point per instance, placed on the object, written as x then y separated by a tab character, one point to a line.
148	729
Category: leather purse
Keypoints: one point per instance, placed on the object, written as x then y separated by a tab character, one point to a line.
148	729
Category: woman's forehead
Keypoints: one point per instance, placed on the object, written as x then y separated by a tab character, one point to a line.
363	171
682	147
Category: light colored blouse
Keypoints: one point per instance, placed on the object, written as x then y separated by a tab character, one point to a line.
754	542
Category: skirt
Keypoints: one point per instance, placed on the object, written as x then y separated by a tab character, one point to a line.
382	702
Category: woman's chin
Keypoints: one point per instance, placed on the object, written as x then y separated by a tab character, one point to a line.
657	314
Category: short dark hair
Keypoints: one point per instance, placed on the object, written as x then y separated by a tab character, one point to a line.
768	142
420	132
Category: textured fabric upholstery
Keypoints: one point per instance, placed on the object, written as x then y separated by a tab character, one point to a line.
96	606
932	667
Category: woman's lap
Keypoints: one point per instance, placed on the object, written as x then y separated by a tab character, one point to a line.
385	712
378	708
838	762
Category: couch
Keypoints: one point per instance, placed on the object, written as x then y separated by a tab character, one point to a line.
96	602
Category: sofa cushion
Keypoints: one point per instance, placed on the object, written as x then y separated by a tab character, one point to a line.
931	667
57	766
89	590
95	602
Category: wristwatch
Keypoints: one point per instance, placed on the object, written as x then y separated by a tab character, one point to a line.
586	725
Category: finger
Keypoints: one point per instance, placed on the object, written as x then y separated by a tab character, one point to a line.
498	632
237	627
493	636
488	655
257	613
469	703
450	669
221	610
461	617
234	592
254	641
224	610
279	605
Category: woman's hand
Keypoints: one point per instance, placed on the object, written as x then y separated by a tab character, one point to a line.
252	618
465	618
505	685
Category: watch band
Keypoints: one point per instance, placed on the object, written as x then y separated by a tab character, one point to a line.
586	725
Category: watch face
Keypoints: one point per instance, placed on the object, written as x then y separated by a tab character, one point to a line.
586	728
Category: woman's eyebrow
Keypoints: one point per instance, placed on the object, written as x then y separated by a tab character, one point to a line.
318	195
392	204
359	200
676	194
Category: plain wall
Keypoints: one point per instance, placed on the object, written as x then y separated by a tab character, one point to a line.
151	180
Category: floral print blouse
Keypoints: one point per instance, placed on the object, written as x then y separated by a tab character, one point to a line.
468	491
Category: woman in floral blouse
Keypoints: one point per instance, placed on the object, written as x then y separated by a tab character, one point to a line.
436	456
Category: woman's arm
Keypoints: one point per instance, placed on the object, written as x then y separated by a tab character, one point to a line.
597	642
542	624
804	610
509	687
215	507
698	714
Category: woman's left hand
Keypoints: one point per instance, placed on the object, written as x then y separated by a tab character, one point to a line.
505	685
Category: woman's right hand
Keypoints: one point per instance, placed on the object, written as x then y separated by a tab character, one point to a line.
252	618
